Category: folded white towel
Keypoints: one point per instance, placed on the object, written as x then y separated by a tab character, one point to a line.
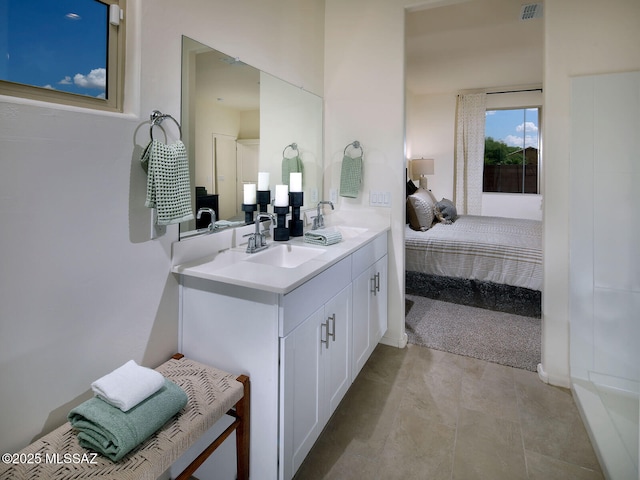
128	385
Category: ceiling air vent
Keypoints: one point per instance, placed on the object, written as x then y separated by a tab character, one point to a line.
531	11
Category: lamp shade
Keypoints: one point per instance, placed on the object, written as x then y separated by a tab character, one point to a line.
422	166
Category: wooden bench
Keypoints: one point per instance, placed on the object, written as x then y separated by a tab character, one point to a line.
211	394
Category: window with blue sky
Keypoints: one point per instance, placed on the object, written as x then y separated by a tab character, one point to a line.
511	156
516	128
55	44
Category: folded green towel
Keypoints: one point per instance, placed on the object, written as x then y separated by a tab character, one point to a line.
350	176
107	430
322	237
291	165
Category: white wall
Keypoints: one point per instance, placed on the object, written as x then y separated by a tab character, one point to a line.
431	123
84	289
581	37
364	101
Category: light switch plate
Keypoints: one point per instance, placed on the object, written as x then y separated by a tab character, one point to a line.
379	199
333	195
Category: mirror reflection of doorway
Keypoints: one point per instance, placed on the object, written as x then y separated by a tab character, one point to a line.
233	163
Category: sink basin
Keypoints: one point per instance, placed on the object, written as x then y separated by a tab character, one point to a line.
285	256
346	232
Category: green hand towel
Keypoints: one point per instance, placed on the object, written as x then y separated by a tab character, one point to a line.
350	176
107	430
291	165
168	183
322	237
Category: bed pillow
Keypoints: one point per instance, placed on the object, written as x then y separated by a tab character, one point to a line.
411	187
420	210
445	211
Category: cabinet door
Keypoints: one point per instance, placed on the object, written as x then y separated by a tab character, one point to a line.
360	321
301	409
337	314
378	312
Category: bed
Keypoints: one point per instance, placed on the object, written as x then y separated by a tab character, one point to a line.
490	262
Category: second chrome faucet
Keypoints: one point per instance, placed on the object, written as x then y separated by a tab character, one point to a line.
257	240
318	221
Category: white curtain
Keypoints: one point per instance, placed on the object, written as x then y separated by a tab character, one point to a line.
469	152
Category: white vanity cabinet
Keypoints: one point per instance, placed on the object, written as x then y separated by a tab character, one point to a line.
298	347
369	271
316	373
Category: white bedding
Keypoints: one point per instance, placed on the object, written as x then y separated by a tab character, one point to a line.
494	249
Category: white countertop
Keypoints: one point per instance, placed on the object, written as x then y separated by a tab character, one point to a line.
231	265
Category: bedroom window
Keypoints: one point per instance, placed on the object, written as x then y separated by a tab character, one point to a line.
511	151
63	51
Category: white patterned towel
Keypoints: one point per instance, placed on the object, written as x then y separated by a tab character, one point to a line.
168	186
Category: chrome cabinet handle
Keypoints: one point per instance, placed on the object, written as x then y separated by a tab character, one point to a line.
326	327
375	284
333	321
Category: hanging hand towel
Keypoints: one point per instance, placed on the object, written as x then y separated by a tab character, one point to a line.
350	176
168	185
128	385
291	165
322	237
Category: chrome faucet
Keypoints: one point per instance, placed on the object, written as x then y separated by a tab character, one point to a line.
212	216
257	240
318	221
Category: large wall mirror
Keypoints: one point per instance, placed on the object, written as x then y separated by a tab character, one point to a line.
238	121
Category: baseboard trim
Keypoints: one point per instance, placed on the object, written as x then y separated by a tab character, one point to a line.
396	342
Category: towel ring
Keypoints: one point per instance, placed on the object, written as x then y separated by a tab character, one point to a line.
355	144
157	117
293	146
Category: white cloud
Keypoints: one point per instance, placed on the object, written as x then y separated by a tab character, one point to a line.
516	141
48	86
97	78
527	127
65	81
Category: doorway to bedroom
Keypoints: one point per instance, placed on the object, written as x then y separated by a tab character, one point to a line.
473	286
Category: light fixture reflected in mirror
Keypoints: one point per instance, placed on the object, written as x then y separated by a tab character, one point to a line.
420	168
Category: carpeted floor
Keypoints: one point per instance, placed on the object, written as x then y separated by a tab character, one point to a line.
497	337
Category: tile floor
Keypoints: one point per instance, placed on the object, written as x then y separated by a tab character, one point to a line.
417	413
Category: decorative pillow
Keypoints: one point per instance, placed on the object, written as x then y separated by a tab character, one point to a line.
411	187
445	211
420	210
410	190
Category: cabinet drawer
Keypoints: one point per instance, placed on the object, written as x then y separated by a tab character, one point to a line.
308	297
368	255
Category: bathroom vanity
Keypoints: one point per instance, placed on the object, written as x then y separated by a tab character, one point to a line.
301	320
